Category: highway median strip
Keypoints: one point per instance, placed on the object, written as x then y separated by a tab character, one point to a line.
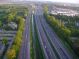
31	41
39	50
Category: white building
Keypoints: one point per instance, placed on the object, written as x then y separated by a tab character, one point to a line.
13	25
67	12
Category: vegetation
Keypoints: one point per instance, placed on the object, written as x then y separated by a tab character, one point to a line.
18	39
31	41
15	14
70	23
11	54
0	24
10	13
38	48
5	41
62	31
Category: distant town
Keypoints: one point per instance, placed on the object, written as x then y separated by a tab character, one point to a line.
63	11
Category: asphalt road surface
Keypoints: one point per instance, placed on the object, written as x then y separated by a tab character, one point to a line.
25	48
51	45
47	36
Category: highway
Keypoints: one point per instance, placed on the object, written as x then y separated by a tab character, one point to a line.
25	47
50	43
49	39
38	54
49	53
55	41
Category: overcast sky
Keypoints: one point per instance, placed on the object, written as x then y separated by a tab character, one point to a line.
69	1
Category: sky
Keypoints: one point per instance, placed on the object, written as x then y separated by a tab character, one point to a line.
66	1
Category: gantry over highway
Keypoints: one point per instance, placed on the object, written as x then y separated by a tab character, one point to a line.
50	43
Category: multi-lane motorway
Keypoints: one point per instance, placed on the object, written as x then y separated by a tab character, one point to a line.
51	45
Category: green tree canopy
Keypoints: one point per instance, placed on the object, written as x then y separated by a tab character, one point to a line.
5	41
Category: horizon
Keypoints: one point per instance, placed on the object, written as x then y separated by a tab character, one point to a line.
58	1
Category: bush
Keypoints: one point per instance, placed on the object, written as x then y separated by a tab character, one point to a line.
17	41
11	54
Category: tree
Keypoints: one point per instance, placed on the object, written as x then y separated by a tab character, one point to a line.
0	24
46	8
5	41
66	32
15	47
11	54
10	17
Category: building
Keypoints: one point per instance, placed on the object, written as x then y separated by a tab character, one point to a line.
13	25
61	11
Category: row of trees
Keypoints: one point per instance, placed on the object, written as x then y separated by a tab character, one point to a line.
58	26
64	32
12	53
71	23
